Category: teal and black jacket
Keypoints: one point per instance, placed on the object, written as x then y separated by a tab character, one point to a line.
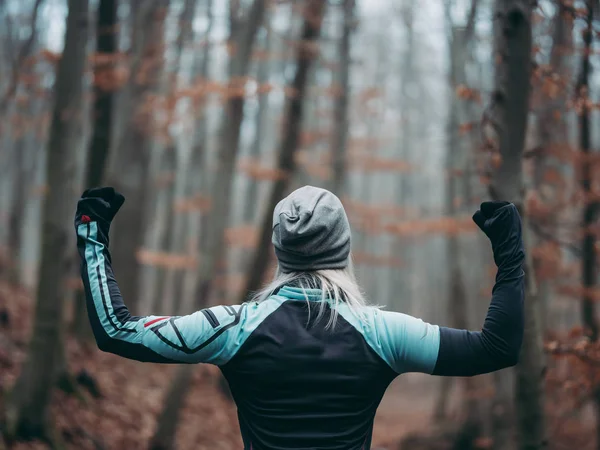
298	385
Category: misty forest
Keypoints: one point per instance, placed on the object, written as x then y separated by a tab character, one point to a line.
205	113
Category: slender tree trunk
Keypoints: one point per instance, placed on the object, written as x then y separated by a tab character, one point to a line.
99	146
590	209
17	209
402	246
106	46
456	160
212	247
24	52
164	436
131	174
168	166
510	107
340	132
288	145
553	134
183	227
261	122
28	407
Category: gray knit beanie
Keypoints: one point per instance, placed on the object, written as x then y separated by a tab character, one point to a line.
311	231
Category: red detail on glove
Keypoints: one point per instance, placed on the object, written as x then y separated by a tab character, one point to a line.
85	219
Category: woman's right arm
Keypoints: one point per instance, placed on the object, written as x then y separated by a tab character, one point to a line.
412	345
497	345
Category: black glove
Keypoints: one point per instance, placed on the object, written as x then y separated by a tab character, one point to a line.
501	223
98	205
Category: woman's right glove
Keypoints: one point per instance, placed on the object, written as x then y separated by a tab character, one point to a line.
501	223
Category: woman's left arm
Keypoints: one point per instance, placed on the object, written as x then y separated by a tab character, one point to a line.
208	335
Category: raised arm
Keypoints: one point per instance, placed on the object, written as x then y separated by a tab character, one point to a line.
208	335
497	345
412	345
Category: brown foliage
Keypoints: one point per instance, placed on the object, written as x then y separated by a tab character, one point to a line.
243	236
357	209
419	227
372	163
197	202
469	94
166	260
371	259
257	171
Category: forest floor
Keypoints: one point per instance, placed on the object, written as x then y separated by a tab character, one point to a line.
130	395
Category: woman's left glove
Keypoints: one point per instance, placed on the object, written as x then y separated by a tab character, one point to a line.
98	205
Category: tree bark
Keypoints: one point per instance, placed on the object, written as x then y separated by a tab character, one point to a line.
17	209
106	46
27	410
314	11
590	209
553	133
510	109
340	114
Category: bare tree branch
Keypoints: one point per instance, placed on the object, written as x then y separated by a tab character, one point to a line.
17	64
470	27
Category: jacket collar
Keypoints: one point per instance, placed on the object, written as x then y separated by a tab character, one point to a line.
296	293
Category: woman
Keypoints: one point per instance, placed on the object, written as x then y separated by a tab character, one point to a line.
307	360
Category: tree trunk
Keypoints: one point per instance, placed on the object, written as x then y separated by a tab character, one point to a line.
131	174
183	226
261	122
553	134
166	425
590	209
99	146
402	246
27	410
19	62
17	209
106	46
212	247
168	166
340	114
314	11
510	108
456	161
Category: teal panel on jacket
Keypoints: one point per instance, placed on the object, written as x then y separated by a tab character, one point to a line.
406	343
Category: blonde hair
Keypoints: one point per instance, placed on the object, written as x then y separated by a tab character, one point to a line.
337	286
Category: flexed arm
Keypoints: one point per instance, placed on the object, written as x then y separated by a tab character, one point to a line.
208	335
412	345
497	345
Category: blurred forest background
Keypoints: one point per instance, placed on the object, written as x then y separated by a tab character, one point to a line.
204	113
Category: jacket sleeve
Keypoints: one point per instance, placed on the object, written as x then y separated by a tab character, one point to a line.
207	336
